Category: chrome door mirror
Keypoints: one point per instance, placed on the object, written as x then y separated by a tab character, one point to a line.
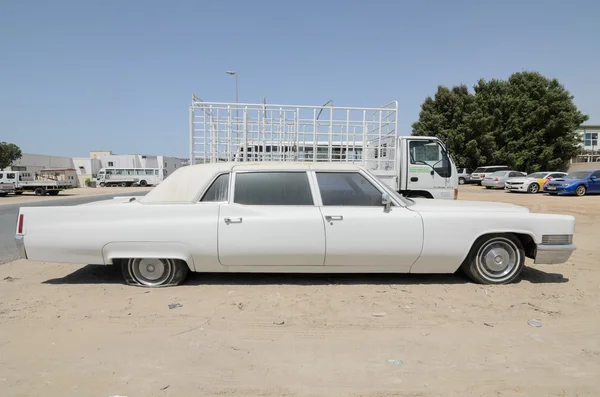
386	200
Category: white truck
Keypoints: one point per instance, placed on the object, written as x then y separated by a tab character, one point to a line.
24	181
415	166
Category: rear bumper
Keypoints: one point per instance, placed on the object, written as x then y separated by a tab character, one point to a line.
20	241
493	184
553	254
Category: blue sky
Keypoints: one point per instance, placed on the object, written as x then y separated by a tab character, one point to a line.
79	75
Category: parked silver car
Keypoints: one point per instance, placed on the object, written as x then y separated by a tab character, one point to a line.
481	173
464	175
498	179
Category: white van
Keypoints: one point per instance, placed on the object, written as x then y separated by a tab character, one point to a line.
481	172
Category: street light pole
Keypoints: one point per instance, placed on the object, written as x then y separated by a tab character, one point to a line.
237	109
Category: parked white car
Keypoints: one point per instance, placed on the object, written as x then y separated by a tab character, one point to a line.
291	217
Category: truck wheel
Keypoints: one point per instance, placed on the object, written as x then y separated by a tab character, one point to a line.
40	191
154	272
102	184
123	184
495	259
143	183
3	194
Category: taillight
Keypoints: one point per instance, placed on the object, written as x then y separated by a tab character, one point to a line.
20	224
496	179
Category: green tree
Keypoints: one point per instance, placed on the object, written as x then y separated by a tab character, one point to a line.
9	152
527	122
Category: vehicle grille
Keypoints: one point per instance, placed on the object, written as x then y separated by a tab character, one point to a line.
515	183
557	239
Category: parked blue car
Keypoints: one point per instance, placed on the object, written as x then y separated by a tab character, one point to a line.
578	183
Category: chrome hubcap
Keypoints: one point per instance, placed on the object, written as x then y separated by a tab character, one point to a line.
151	271
498	258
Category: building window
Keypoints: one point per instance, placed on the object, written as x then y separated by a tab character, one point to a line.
111	164
591	139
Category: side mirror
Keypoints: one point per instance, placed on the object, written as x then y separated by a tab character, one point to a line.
593	177
386	200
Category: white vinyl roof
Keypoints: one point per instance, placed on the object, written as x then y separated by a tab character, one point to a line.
185	184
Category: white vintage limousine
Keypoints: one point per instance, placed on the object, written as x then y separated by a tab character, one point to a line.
291	217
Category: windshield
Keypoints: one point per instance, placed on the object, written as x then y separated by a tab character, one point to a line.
578	175
537	175
477	170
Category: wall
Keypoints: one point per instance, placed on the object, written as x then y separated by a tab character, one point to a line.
36	162
86	168
170	164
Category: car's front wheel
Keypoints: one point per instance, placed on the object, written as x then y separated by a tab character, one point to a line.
154	272
461	181
533	188
495	259
580	191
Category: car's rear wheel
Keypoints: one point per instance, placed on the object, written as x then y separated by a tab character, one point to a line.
495	259
154	272
461	181
580	191
533	188
40	191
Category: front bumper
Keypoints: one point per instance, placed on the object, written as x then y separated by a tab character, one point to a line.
559	189
517	188
20	241
553	254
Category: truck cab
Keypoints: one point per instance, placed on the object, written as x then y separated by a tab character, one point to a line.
426	168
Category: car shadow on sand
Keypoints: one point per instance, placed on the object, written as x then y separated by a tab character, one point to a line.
100	274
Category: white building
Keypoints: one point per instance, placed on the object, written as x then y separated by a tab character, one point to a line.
87	168
590	135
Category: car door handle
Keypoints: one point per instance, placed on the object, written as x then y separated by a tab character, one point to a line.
414	179
330	218
233	220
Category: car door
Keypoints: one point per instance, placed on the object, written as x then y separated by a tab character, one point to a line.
359	231
271	220
594	184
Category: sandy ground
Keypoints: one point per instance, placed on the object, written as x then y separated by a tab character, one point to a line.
29	197
78	331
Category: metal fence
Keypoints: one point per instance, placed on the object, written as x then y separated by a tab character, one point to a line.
263	132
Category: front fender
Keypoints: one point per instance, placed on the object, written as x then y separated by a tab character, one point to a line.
147	249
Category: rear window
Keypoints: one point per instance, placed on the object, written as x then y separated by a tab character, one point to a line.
479	170
499	173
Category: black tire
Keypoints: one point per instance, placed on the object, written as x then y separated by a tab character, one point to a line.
143	183
580	191
123	184
3	194
102	184
488	187
172	272
461	181
53	192
18	193
479	264
40	191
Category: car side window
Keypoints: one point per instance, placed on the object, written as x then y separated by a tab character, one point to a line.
347	189
219	190
596	174
272	188
557	175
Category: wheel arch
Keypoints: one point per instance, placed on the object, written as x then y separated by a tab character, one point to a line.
526	238
115	251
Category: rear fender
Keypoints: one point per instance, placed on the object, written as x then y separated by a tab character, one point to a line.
147	249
